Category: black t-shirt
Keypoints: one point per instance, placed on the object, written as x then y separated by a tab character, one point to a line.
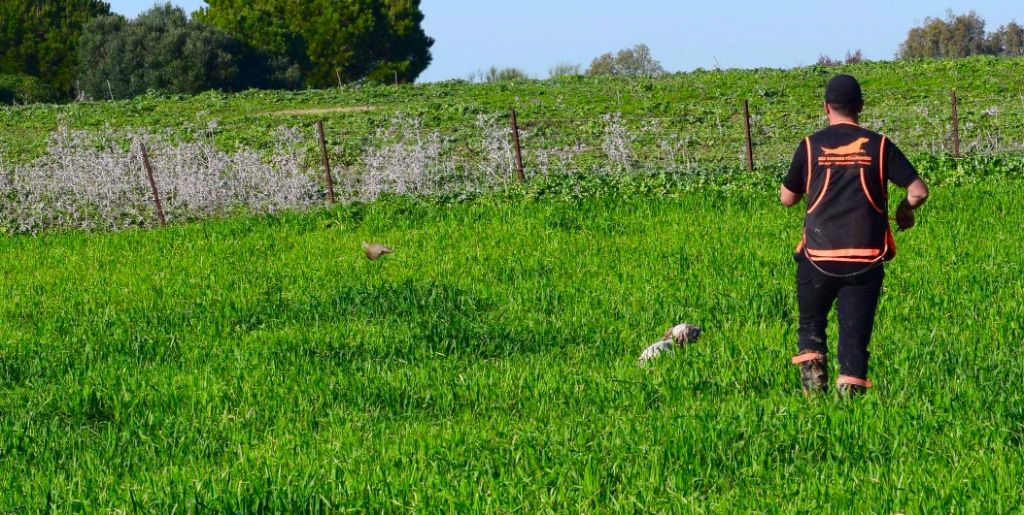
898	169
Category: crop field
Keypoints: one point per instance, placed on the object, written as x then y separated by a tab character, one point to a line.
489	365
80	166
253	361
699	113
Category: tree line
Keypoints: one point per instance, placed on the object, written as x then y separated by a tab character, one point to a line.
955	36
961	36
54	50
635	61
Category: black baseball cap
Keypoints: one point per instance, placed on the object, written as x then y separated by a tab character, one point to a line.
844	90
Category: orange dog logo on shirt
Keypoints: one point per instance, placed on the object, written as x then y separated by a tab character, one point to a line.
857	147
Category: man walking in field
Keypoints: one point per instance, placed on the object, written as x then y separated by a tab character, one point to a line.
844	171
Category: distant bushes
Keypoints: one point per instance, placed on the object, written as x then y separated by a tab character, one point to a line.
24	89
628	62
94	181
495	75
961	36
636	61
855	57
163	50
564	70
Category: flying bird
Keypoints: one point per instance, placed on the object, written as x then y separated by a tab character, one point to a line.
375	251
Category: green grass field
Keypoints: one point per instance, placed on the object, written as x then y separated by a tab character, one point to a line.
263	365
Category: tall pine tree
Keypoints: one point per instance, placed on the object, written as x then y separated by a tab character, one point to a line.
40	38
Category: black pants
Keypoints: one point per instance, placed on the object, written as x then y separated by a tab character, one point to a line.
857	303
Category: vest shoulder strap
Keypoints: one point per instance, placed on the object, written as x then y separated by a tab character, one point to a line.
881	163
810	164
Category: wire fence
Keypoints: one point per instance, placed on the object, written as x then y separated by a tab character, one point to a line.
719	137
89	181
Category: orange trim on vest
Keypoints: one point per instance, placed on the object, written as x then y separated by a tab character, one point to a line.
890	244
854	381
810	356
845	260
810	165
828	179
881	170
867	193
846	253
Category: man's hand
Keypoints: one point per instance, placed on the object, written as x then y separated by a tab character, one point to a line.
788	198
905	216
917	195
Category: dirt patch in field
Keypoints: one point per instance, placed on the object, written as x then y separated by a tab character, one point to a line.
324	110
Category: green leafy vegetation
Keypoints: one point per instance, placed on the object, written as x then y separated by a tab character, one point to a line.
489	365
24	89
262	364
700	112
78	166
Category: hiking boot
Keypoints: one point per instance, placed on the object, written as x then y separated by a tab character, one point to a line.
813	371
850	387
851	390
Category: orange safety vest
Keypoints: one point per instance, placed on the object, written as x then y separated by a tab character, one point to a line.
847	217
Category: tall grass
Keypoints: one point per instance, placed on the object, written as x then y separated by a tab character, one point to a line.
262	365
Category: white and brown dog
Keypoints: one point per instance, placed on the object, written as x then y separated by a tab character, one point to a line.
677	336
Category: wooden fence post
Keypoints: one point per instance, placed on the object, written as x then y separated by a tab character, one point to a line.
956	124
519	148
152	184
326	161
746	129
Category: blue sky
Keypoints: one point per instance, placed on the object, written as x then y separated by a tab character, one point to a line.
535	34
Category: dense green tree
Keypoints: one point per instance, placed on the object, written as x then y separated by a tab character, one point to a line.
39	37
163	50
333	40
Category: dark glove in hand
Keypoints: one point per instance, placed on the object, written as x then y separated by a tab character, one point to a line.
905	217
